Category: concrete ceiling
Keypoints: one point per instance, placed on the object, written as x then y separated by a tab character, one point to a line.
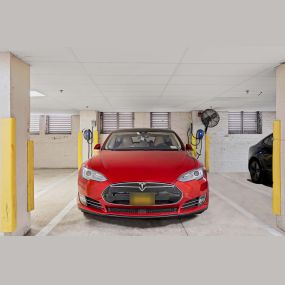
154	59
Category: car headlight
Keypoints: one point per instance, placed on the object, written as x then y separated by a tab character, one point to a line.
195	174
89	174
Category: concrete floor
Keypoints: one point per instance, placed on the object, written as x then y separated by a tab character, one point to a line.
237	208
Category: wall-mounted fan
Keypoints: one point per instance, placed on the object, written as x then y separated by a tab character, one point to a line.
210	118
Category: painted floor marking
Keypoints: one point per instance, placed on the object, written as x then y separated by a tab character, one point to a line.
263	192
247	214
57	219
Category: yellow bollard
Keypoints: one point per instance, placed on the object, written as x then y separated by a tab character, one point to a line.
95	139
276	168
194	147
31	196
207	152
8	199
79	150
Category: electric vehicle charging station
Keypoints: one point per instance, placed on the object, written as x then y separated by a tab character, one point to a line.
88	137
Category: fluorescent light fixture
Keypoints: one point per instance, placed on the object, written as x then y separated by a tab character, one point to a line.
36	94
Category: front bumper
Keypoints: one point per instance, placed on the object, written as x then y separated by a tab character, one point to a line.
191	191
142	216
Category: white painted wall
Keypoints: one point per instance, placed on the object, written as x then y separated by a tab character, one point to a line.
229	152
180	123
142	120
56	151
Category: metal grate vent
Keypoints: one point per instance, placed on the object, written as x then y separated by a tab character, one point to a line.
59	124
191	203
35	124
245	122
126	120
160	120
142	211
112	121
93	203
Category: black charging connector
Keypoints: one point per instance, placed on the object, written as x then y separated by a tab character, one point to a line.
88	136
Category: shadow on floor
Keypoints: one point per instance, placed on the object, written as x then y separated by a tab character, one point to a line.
267	183
139	223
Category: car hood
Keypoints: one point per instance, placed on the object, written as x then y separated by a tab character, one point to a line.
155	166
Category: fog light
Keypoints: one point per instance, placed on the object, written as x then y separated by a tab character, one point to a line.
82	199
202	199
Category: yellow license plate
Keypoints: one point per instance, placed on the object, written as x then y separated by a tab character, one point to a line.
142	199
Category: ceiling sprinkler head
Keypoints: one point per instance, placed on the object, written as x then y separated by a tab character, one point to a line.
247	91
259	93
61	90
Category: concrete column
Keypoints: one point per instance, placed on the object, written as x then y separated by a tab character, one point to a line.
15	103
280	115
87	118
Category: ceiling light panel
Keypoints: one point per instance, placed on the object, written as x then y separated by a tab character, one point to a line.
34	93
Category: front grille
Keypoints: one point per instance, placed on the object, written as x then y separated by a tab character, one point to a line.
141	210
191	203
93	203
164	193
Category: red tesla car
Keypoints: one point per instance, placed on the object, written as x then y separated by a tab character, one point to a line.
143	173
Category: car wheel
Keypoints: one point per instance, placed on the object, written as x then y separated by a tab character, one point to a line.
256	172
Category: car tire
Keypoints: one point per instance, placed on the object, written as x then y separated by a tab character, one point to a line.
199	213
87	215
256	171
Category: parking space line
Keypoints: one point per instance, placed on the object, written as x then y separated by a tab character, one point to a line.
53	185
263	192
247	214
185	230
57	219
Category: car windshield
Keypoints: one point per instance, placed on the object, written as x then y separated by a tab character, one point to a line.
143	140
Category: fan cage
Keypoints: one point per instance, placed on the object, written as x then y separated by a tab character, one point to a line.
208	113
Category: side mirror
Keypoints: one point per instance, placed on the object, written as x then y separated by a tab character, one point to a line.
189	147
97	146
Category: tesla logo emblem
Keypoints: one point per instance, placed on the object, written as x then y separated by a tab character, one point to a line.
142	186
